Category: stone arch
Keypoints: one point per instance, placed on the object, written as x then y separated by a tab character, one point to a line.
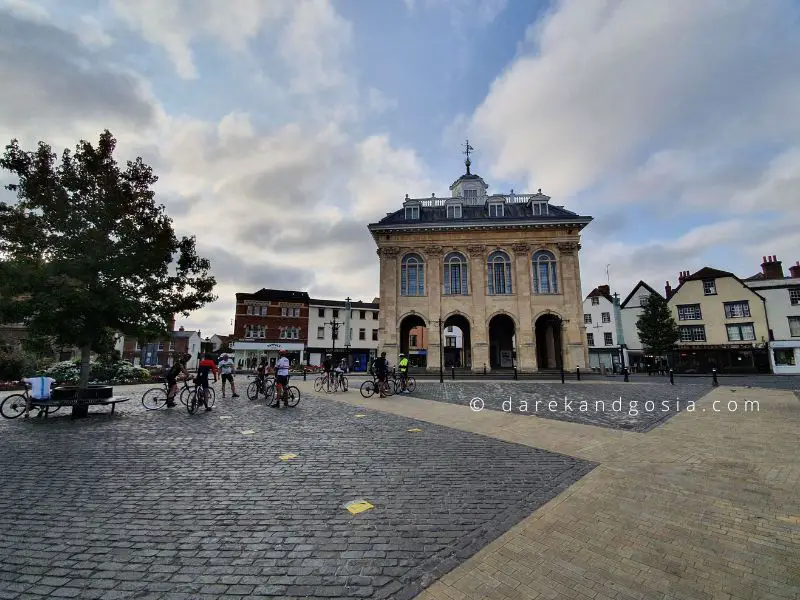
413	313
502	332
503	312
412	334
548	329
457	345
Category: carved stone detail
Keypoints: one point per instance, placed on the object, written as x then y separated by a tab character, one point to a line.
568	247
388	251
433	250
476	250
521	249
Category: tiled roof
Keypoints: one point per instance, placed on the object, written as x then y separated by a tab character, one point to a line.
341	304
708	273
601	293
277	295
183	334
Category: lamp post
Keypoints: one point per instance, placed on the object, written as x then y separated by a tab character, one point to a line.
334	332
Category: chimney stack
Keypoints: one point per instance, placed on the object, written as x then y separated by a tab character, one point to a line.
682	277
180	328
771	268
604	289
668	289
794	270
172	323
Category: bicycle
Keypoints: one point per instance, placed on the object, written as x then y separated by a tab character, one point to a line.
14	405
291	395
195	398
326	382
411	384
371	387
260	385
156	398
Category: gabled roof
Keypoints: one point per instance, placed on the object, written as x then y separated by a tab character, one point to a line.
602	293
183	334
636	287
712	273
276	295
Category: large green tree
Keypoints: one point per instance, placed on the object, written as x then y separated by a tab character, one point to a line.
657	328
85	250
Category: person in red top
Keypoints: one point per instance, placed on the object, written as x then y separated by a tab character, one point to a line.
204	369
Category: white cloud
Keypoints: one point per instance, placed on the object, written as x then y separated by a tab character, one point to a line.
463	12
92	32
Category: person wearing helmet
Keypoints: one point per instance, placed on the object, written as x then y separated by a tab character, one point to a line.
403	366
281	379
327	367
175	371
226	369
381	366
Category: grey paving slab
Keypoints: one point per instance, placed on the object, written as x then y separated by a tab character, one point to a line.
630	406
168	505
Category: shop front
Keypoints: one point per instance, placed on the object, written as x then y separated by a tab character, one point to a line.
784	357
725	359
247	355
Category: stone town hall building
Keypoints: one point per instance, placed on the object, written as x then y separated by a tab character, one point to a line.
502	268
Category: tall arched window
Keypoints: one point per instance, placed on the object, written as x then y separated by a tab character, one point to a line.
499	271
455	275
545	273
412	276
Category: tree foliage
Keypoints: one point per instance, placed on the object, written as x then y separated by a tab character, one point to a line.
85	250
657	328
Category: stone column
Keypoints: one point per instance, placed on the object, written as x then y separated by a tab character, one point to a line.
433	263
574	331
479	335
526	351
387	319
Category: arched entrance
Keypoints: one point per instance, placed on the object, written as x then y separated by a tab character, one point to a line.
548	342
502	342
414	340
457	342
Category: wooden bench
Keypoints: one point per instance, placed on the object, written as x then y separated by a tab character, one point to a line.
80	406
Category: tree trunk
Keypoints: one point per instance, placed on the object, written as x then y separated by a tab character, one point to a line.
85	367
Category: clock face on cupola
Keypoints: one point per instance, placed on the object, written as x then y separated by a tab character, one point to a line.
500	270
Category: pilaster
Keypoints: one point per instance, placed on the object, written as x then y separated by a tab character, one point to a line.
387	321
433	264
526	351
477	279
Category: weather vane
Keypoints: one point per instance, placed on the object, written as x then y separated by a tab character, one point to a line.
467	150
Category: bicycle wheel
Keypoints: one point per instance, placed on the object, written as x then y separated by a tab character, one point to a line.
318	383
212	396
154	399
252	390
368	388
186	392
388	388
292	396
192	400
411	384
344	384
13	406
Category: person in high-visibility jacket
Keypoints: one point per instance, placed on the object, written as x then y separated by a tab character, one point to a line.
403	366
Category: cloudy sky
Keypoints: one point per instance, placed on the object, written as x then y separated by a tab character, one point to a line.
280	128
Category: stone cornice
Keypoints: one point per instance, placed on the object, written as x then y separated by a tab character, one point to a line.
388	251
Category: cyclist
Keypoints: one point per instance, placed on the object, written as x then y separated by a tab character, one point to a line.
205	368
403	365
327	366
226	368
172	378
381	367
340	370
281	380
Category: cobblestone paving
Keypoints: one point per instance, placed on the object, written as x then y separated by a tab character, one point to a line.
629	406
170	506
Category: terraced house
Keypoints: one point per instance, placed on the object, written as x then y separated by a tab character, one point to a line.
723	324
502	268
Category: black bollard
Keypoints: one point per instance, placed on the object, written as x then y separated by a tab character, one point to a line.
304	375
453	372
625	370
714	381
484	368
578	372
562	373
671	377
515	374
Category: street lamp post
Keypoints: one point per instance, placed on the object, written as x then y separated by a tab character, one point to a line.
334	332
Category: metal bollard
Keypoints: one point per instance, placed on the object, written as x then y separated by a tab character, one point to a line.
484	368
625	371
714	381
671	377
562	373
304	375
453	372
515	374
578	372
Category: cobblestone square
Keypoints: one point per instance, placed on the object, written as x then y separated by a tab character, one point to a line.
629	406
167	505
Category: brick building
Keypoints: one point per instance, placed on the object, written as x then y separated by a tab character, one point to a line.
268	321
163	352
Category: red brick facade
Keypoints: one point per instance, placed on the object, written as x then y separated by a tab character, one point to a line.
272	316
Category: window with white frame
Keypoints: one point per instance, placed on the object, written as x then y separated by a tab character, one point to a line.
693	333
254	331
709	287
264	310
587	319
643	300
608	339
453	211
499	273
737	310
595	300
496	209
741	332
606	317
784	357
362	334
794	326
250	309
794	296
468	193
412	213
539	209
412	276
455	275
590	339
545	273
689	312
289	311
320	333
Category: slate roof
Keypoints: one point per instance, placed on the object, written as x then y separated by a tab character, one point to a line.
636	287
276	295
183	334
341	304
479	214
712	273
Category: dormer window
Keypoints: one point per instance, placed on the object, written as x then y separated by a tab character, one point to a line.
453	211
412	212
540	209
496	209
